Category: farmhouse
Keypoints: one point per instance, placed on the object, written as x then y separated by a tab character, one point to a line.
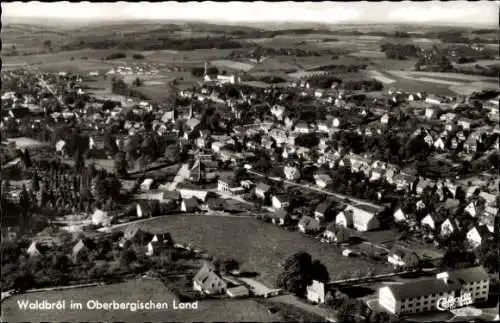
308	224
209	282
423	295
190	205
364	217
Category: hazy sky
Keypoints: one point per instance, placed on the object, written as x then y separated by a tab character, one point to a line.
454	12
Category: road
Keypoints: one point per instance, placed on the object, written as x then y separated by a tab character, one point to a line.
340	197
298	303
368	278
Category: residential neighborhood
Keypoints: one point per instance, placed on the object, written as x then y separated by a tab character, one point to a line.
295	200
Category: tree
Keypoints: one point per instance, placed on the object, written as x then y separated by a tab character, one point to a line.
35	182
319	272
127	256
137	82
352	310
488	256
121	164
298	272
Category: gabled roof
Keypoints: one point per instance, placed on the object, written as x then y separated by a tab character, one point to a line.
422	287
438	219
190	203
83	244
324	207
307	221
280	214
263	187
468	275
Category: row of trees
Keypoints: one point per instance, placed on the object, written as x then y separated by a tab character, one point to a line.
400	51
154	42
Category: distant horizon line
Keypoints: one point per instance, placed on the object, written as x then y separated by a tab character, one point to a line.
40	20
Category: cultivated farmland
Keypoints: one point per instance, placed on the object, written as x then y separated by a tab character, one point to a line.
232	64
259	246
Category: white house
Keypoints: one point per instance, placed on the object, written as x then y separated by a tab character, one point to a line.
323	180
280	201
477	235
430	113
33	250
344	218
364	218
316	292
400	216
209	282
432	99
146	184
448	227
472	209
439	144
384	119
100	218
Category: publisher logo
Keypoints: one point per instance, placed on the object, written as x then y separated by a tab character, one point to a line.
449	303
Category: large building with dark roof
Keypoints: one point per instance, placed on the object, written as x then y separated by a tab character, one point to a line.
424	295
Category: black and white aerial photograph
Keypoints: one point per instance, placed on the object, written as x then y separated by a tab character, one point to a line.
250	162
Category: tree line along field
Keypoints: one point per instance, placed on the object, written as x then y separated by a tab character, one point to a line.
142	289
259	246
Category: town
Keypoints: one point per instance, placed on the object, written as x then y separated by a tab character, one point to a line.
305	196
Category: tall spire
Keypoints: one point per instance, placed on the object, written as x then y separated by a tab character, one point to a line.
206	69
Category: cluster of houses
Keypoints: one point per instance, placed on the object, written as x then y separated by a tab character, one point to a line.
131	70
86	249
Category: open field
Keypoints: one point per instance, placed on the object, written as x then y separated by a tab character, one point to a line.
93	62
369	54
259	246
142	290
232	64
